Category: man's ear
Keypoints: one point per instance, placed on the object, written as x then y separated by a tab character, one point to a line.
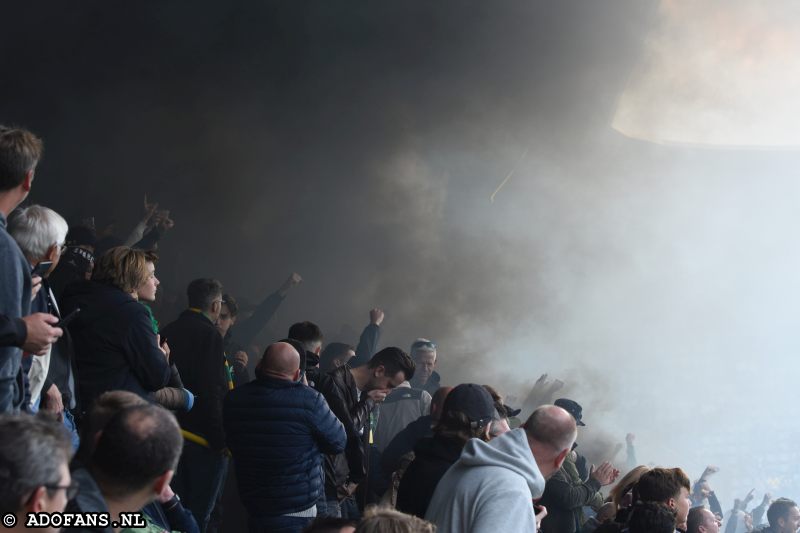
379	371
296	376
318	350
52	252
27	183
671	503
561	457
35	503
162	481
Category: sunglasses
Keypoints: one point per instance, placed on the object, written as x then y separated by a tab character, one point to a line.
423	344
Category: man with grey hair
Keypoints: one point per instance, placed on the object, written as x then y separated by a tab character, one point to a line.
423	352
492	485
40	233
20	151
34	468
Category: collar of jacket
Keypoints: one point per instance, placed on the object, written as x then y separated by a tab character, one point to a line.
200	312
278	383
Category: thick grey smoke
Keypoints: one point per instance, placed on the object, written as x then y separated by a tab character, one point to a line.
359	144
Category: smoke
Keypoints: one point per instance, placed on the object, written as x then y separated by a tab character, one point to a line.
360	145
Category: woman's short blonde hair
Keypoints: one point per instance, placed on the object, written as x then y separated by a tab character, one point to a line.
123	267
387	520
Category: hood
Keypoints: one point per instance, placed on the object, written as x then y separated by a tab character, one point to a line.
440	448
95	300
510	451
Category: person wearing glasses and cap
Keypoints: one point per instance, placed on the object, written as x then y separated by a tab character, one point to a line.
567	492
423	352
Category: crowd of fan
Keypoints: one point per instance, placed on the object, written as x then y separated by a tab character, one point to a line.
103	410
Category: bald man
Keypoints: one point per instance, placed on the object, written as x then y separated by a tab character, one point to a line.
276	428
492	485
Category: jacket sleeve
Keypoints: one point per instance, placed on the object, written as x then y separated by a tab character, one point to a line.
328	431
367	345
146	360
355	457
11	291
12	331
559	493
249	329
179	518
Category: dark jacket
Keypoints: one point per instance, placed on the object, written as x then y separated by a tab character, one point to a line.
197	351
404	442
62	355
276	430
432	385
564	501
367	345
115	347
246	330
339	389
172	516
12	331
432	457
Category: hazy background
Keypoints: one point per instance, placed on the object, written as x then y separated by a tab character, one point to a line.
358	143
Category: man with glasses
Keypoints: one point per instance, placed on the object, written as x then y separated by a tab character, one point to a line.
423	352
34	471
40	233
198	352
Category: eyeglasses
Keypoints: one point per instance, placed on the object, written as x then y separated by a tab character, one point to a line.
423	344
71	489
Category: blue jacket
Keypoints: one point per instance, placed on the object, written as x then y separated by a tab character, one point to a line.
15	302
276	430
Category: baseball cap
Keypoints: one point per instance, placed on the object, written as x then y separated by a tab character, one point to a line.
573	408
472	400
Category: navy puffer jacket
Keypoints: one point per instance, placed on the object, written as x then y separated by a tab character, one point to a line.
276	430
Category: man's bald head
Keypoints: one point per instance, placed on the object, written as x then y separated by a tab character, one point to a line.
551	432
280	360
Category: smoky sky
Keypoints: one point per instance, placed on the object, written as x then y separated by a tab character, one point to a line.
359	143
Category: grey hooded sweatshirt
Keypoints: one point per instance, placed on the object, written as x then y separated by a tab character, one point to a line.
490	488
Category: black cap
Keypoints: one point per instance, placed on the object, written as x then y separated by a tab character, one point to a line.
81	236
472	400
573	408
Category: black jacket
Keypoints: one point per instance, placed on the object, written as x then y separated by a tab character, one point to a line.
62	356
432	457
564	502
367	345
115	346
12	331
276	430
404	442
197	351
339	389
